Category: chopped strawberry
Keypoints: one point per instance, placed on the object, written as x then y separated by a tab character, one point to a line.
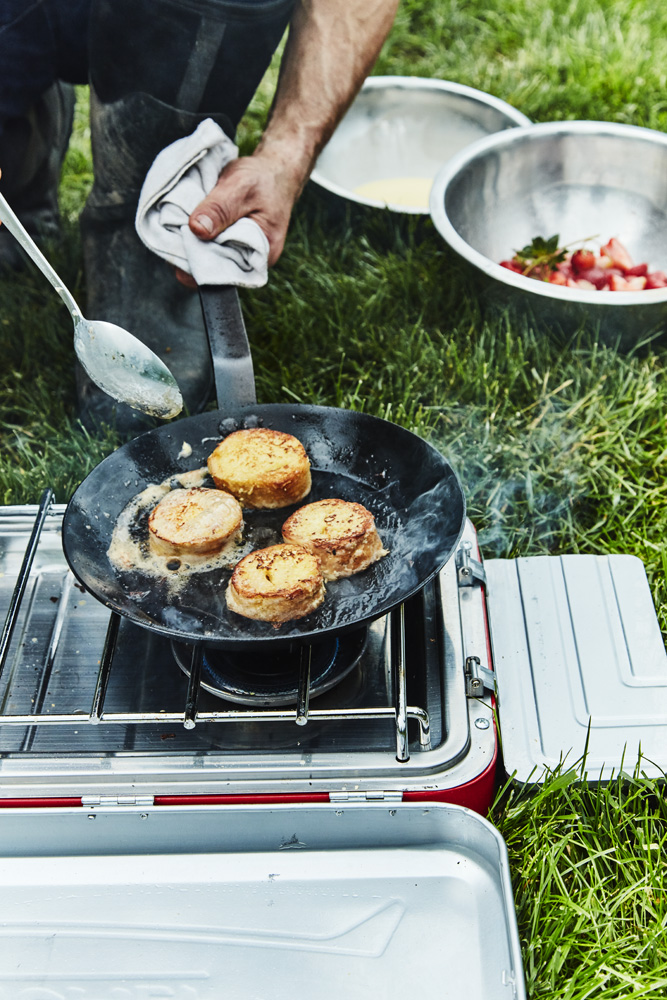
583	260
638	271
620	284
656	279
511	265
619	255
564	267
596	276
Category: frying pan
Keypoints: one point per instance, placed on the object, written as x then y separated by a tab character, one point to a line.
409	487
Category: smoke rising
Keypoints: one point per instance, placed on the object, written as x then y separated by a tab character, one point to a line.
524	482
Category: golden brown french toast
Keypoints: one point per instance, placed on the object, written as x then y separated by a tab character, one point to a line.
262	468
276	584
196	520
342	535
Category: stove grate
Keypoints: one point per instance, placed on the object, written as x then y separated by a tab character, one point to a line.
397	710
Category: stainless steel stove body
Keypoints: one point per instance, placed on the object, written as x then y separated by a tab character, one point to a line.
310	849
95	708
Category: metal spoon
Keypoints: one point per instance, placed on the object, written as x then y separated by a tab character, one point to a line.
113	358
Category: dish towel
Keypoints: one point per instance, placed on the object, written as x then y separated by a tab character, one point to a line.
180	177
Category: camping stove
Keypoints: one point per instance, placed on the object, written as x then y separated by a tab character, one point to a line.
94	707
271	827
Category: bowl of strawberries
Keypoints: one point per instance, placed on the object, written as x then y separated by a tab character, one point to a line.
568	219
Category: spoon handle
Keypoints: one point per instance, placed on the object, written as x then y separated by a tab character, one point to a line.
16	229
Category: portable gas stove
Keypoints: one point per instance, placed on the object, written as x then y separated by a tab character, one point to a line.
385	711
290	824
92	705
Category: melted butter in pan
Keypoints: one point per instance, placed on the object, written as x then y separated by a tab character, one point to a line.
131	549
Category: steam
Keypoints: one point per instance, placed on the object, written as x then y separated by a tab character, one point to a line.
525	483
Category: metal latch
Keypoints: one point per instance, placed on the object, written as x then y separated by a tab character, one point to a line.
468	570
371	796
90	801
478	678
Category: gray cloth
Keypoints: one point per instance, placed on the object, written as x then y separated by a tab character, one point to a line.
180	177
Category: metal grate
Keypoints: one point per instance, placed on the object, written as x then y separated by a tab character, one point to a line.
40	715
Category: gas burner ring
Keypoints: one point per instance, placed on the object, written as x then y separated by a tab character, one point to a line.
273	680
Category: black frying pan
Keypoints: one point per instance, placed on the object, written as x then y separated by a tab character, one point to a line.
410	488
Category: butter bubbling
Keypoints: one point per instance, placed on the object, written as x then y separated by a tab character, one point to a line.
132	549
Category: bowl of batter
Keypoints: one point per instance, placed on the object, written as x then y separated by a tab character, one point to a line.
397	135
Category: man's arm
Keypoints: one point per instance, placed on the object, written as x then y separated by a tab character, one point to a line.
331	48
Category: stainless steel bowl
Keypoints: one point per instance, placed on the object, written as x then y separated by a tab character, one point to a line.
402	127
578	179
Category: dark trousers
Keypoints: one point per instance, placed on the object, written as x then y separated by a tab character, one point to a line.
196	55
40	42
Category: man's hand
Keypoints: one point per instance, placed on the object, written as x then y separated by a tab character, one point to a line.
330	50
255	187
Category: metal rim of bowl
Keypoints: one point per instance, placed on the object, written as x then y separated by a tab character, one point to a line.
416	83
451	170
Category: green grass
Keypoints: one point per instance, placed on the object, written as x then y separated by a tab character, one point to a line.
561	442
589	884
563	60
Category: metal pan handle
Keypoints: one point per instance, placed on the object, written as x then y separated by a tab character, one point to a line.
228	343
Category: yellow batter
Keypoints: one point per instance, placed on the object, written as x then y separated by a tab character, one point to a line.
412	192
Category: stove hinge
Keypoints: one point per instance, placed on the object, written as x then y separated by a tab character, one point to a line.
371	796
468	570
479	679
91	801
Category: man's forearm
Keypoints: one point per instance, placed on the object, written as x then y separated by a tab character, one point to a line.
331	48
332	45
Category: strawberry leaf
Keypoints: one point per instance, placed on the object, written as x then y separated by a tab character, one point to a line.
540	254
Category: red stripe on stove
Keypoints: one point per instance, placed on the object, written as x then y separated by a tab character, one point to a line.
45	803
476	794
241	800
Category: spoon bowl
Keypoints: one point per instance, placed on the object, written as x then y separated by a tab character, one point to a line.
125	368
118	362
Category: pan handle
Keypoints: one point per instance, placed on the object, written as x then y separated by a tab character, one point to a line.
228	343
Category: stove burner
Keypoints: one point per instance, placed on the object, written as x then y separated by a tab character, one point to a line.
271	680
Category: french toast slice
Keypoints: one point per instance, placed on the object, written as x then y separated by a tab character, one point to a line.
262	468
341	533
276	584
197	520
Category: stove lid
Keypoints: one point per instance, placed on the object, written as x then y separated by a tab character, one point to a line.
271	901
580	664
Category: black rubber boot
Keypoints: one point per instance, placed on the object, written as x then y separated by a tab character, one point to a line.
32	151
